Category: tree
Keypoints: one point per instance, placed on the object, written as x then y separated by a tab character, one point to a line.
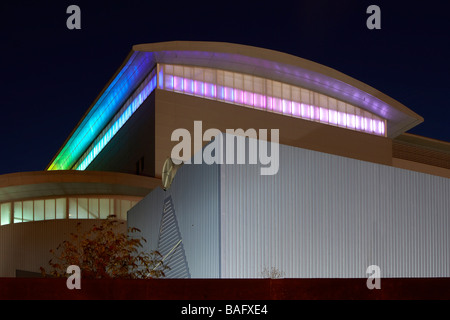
106	252
273	273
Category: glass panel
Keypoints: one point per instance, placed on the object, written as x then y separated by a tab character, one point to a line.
323	101
28	210
258	85
38	210
198	73
61	208
296	94
104	208
266	94
178	71
228	76
238	81
125	205
5	213
248	98
82	208
188	85
18	212
72	208
219	79
277	105
332	104
93	208
248	83
305	96
168	69
286	91
269	88
188	72
112	210
209	76
168	82
276	89
287	106
50	209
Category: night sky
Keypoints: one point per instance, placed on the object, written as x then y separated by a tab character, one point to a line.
50	75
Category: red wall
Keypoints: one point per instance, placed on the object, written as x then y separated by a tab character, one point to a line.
226	289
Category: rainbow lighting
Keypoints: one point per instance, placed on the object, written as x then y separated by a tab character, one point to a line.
141	74
128	109
269	95
129	76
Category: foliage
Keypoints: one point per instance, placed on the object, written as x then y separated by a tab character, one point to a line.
106	252
273	273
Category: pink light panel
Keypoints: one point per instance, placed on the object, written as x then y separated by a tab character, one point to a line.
274	104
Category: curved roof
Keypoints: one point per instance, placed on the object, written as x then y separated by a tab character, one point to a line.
37	184
285	68
233	57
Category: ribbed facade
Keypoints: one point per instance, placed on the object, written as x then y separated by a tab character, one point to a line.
170	243
329	216
320	216
194	194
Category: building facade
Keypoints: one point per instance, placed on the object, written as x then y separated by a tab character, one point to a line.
353	187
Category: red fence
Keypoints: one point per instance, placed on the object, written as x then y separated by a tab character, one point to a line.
226	289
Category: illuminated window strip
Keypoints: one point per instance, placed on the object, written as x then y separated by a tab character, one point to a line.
128	109
59	208
287	107
106	106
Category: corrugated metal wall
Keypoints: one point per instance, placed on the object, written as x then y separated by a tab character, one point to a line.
170	243
195	196
329	216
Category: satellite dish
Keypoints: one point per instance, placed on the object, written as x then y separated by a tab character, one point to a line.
168	173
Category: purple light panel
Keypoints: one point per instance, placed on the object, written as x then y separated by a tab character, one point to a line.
269	103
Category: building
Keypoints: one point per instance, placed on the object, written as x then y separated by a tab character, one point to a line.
353	187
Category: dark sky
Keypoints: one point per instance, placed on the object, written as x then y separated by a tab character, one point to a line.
50	75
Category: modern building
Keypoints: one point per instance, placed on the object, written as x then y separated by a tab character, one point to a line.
353	187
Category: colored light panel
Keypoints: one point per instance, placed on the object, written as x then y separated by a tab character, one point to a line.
129	108
101	112
278	104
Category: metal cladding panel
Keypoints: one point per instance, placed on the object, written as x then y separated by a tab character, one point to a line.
170	243
195	197
146	216
325	216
